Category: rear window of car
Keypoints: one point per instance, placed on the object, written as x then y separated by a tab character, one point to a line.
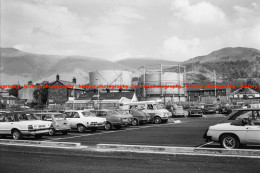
26	117
88	114
2	117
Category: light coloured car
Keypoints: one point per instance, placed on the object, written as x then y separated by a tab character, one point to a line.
83	120
244	129
19	124
59	122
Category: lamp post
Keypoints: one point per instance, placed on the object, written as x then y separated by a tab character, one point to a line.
215	86
98	94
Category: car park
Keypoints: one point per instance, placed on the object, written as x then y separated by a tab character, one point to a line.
59	122
158	114
19	124
114	119
195	112
84	120
243	128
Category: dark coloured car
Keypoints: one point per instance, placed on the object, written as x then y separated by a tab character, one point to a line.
195	112
114	119
209	109
224	110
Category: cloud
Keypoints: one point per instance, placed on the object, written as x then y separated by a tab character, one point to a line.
199	13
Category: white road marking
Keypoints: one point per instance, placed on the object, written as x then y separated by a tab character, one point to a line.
205	144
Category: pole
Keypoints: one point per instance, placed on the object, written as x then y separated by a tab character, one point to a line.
215	86
98	94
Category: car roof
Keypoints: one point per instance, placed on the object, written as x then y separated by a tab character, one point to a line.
247	109
48	113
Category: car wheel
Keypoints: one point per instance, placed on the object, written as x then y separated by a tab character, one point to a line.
134	122
229	141
17	134
52	132
94	129
64	132
157	120
37	136
81	128
108	126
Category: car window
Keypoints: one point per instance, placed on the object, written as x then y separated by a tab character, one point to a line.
76	115
25	117
2	117
47	117
9	118
59	116
241	114
88	114
69	114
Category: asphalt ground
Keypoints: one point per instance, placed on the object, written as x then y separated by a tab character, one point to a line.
188	133
29	159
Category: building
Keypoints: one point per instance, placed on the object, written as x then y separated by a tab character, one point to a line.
104	99
26	94
208	95
6	101
245	95
62	95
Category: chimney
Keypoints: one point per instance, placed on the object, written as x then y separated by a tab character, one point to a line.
57	77
74	80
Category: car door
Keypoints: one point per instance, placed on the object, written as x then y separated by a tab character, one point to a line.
6	124
69	117
253	134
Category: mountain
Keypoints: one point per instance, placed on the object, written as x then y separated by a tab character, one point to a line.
230	65
227	54
21	66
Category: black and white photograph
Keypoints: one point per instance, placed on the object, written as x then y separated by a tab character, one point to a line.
129	86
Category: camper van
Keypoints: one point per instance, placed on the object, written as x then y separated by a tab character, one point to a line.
158	114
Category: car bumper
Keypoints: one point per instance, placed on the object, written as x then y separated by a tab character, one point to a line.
206	137
36	131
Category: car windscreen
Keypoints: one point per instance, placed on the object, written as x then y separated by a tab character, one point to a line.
240	115
26	117
59	116
88	114
158	106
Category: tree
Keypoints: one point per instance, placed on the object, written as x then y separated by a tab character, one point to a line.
13	92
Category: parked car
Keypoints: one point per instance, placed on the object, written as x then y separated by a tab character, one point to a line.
158	114
179	112
126	114
59	122
224	110
244	129
19	124
83	120
139	117
195	112
209	109
114	119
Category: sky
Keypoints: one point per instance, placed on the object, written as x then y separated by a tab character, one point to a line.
174	30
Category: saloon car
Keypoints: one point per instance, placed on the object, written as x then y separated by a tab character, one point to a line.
19	124
126	114
243	128
59	122
209	109
179	112
84	120
139	117
195	112
114	119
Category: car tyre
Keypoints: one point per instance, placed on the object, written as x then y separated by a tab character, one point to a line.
134	122
52	132
108	126
81	128
17	134
37	136
229	141
157	120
